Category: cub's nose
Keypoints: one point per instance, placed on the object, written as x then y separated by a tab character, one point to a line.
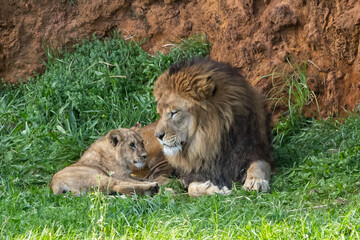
159	135
144	155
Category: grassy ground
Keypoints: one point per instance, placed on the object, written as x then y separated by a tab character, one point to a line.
47	124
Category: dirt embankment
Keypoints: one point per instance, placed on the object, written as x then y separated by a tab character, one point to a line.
254	35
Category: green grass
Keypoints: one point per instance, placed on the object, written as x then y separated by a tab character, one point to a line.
47	124
290	88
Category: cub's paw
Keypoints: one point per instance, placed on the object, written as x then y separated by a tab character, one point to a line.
224	191
153	188
257	184
170	190
197	189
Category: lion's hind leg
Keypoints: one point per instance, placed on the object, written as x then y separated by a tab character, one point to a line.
258	176
197	189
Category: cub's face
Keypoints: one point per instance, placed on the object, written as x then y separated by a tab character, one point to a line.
134	152
129	148
176	125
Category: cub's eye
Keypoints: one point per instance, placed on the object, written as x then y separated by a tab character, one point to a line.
174	112
132	145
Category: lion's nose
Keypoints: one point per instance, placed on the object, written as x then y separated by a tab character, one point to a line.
159	135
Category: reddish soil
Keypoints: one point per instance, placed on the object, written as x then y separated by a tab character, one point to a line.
255	36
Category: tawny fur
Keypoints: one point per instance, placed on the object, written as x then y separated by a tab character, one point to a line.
157	167
216	119
107	166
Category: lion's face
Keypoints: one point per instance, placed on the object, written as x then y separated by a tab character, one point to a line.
129	148
175	126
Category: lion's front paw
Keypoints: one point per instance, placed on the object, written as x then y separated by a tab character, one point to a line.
197	189
257	184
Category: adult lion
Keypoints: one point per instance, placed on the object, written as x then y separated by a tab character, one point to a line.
213	127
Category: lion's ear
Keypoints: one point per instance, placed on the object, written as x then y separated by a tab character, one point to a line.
115	137
204	88
212	86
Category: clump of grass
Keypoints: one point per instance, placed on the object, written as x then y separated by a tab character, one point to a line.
290	88
97	213
291	94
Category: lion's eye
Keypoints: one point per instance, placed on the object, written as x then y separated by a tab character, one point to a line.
174	112
132	145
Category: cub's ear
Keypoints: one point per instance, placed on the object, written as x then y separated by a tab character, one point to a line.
136	127
115	137
202	88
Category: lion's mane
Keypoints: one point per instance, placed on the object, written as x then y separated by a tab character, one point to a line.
232	126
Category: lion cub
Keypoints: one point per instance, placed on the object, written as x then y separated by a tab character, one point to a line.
107	164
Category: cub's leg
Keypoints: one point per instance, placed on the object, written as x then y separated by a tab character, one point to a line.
79	179
140	188
258	176
197	189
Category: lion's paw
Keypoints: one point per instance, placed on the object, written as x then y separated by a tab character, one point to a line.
257	184
197	189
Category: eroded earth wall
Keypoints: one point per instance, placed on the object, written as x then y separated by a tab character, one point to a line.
255	36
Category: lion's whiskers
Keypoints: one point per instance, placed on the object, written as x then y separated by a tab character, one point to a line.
172	147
